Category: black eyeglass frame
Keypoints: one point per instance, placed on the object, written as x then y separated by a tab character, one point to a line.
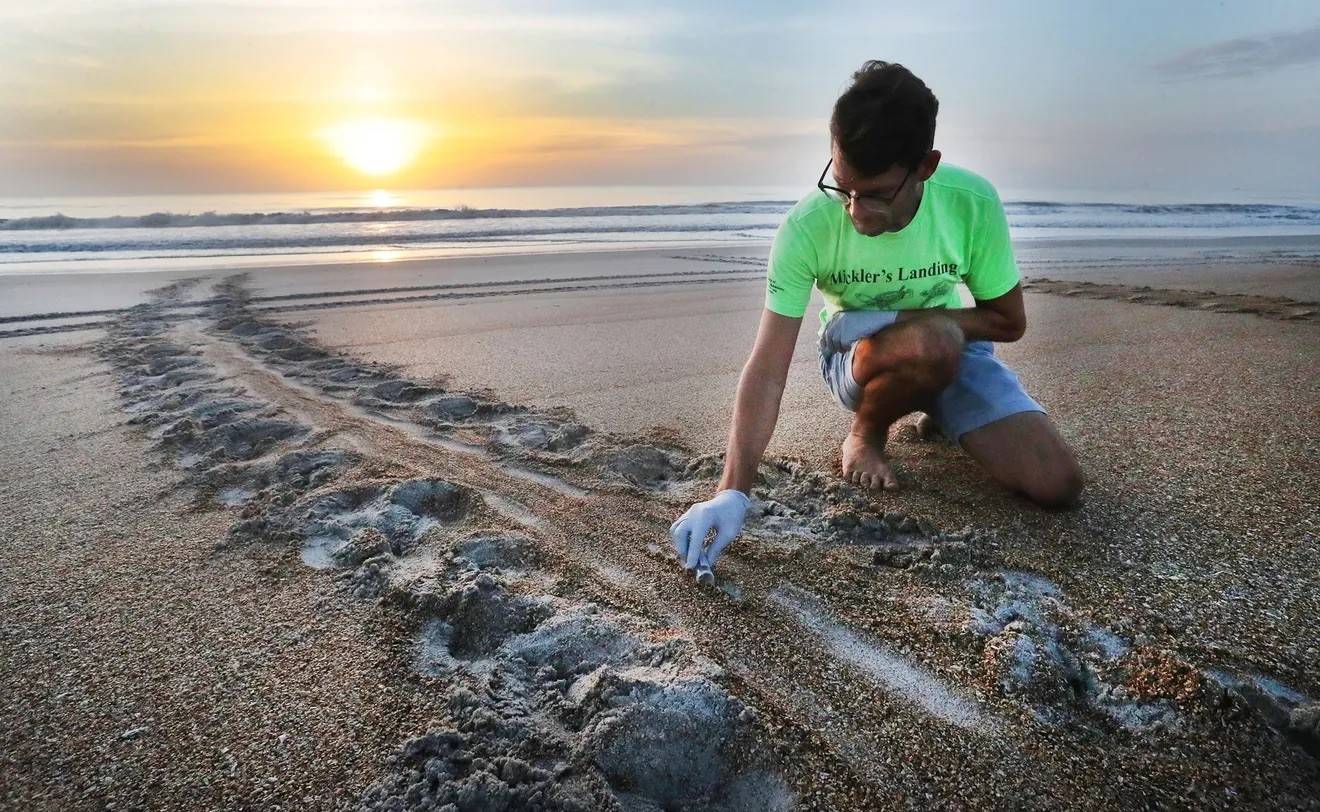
860	198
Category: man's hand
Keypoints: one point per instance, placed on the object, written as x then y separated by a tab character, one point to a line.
725	513
848	326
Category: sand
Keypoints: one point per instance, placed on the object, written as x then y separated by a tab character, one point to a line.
465	495
140	667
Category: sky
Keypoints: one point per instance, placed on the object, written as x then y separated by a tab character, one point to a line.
1189	100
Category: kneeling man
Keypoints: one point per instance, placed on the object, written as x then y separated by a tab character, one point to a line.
886	237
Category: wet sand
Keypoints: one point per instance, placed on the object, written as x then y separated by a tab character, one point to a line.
478	480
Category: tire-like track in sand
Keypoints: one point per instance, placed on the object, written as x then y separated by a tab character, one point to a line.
880	661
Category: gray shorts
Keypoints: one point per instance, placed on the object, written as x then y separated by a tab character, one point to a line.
984	391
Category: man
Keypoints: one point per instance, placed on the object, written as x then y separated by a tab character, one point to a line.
886	237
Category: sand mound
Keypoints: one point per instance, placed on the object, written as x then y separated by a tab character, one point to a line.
507	552
276	481
401	514
644	466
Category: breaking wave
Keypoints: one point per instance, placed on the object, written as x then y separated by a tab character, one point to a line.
349	230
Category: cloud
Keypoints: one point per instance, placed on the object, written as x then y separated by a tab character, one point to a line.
1245	56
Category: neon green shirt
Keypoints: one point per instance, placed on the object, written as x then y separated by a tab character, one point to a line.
959	234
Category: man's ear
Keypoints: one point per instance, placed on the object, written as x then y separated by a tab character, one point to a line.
930	163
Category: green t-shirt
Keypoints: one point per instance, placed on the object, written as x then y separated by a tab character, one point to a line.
959	234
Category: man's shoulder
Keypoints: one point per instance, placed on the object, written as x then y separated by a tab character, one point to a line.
961	181
814	207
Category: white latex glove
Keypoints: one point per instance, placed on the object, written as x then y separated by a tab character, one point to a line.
848	326
725	513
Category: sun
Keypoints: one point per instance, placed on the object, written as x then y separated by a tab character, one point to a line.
376	146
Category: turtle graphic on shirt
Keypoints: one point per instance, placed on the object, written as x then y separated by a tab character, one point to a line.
937	293
885	300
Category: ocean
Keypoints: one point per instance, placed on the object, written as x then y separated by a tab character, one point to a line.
162	233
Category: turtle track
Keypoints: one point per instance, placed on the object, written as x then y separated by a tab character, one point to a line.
527	552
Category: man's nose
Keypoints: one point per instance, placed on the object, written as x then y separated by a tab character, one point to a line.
856	210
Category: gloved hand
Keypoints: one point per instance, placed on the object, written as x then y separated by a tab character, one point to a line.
726	513
848	326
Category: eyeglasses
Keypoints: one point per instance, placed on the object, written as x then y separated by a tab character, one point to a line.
872	203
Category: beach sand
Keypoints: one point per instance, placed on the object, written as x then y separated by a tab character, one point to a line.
481	478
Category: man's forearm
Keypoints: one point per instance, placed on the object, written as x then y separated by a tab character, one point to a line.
977	323
755	411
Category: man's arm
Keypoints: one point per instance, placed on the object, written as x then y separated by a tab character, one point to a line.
756	405
1000	319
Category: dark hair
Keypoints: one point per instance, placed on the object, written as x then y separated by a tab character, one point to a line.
886	117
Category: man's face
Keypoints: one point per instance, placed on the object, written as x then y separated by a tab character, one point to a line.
904	206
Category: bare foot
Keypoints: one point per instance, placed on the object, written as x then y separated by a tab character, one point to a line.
927	428
866	465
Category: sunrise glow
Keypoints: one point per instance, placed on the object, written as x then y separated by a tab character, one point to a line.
377	146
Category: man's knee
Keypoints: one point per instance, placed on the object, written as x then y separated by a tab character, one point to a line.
1058	487
926	350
